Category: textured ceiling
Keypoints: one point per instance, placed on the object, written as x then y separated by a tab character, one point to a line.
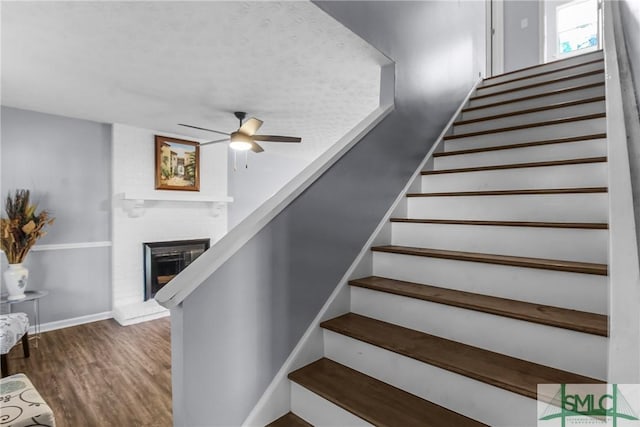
156	64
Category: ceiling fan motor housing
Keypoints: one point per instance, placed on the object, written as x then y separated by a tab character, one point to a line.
240	115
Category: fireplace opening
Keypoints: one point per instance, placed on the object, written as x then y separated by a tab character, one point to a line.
164	260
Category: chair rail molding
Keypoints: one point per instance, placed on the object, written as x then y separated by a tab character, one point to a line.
68	246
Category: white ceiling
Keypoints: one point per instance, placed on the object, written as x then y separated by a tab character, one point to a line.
156	64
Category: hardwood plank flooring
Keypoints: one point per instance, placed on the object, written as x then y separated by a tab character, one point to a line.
489	79
580	161
543	83
563	104
527	126
374	401
103	374
289	420
532	191
580	321
515	261
541	224
487	83
539	95
516	375
521	145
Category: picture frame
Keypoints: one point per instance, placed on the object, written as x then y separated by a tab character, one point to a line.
177	164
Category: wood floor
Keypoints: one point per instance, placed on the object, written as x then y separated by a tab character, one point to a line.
103	374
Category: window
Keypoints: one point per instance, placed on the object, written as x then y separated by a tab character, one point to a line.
577	27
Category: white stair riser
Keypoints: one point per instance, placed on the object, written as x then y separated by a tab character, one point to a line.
584	292
319	411
488	404
585	354
538	133
537	90
548	67
552	243
545	207
537	117
561	176
540	153
483	90
542	101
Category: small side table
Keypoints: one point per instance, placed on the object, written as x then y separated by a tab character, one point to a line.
34	297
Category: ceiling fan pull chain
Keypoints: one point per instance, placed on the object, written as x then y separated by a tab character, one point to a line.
246	160
235	160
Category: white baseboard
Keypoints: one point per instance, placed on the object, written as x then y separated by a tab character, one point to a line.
74	321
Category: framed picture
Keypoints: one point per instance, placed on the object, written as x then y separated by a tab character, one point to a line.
177	164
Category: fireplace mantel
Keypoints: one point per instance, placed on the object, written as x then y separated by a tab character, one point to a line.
134	203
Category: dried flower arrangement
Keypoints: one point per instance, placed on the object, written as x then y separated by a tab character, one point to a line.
22	227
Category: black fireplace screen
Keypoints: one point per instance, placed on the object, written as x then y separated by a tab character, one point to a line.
164	260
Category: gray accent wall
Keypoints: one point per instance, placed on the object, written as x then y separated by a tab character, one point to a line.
521	45
234	332
66	164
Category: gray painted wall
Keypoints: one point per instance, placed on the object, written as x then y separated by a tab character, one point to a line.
234	332
521	45
66	164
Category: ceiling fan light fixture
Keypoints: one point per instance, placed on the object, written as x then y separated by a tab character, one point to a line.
240	141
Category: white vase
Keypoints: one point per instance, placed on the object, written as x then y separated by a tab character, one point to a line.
16	277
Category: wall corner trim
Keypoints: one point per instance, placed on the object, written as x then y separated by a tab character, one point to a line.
624	268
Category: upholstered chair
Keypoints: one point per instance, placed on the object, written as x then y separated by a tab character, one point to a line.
13	327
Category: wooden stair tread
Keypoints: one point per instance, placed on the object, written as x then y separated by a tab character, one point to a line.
516	375
519	165
531	110
527	126
541	65
543	83
522	145
544	73
540	95
289	420
513	192
372	400
514	261
541	224
580	321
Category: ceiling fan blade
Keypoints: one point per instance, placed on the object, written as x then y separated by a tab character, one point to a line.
208	130
251	126
215	142
276	138
256	148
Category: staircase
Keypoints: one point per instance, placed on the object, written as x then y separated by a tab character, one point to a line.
496	279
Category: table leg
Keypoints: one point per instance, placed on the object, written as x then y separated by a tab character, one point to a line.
36	327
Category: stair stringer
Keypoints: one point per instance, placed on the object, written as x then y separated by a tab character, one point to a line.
276	400
624	263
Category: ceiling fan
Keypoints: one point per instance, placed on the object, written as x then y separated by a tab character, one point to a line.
245	137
